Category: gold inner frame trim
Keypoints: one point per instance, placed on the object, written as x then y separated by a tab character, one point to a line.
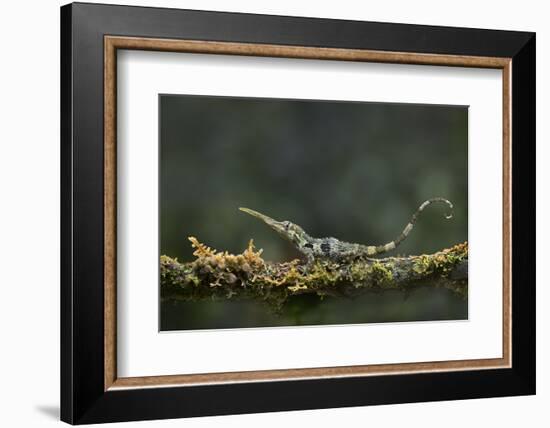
113	43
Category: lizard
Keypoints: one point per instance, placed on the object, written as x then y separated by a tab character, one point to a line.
331	248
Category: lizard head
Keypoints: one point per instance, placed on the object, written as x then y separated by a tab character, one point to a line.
285	228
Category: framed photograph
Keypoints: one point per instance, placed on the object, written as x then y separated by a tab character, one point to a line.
265	213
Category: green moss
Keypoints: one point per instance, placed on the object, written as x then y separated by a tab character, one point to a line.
371	274
441	263
379	274
297	287
422	265
220	275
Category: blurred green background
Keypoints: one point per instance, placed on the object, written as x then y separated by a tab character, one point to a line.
355	171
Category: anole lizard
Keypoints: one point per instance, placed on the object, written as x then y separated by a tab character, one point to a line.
332	248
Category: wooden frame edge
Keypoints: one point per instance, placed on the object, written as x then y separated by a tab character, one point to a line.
109	198
301	52
112	43
300	374
507	213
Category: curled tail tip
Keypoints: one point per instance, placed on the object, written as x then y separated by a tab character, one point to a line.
439	199
450	204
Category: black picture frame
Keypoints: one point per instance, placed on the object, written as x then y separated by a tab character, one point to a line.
83	396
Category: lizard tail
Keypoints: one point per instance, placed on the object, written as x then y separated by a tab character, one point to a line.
393	244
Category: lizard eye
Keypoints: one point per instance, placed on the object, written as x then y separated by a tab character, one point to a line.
287	225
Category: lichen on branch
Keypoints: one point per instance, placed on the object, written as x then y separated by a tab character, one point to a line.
221	275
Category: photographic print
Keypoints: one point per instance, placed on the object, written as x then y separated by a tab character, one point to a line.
266	193
280	213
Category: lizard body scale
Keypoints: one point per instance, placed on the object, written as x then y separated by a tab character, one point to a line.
331	248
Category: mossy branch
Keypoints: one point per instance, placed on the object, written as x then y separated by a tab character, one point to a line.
220	275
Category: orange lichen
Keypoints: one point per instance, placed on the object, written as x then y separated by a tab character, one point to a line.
217	274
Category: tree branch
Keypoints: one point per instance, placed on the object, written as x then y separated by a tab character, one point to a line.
220	275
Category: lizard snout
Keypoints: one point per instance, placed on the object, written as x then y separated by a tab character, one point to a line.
278	226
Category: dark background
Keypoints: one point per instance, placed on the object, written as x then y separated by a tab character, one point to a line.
356	171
